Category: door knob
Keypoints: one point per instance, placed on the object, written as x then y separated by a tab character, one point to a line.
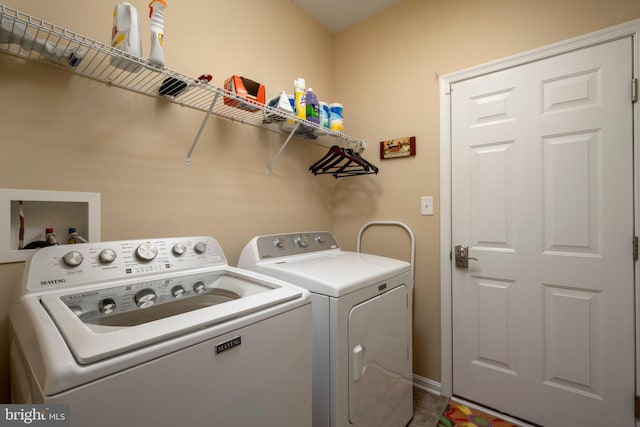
462	256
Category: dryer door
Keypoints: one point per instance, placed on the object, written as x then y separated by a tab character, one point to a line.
380	388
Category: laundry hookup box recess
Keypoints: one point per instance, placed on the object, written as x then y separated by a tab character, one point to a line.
26	214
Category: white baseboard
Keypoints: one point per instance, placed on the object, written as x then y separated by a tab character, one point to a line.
427	384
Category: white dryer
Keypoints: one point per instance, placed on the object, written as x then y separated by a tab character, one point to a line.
160	332
362	347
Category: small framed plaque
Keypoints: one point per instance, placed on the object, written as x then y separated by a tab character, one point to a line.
395	148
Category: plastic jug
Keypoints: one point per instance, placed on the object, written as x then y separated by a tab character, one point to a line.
126	35
313	107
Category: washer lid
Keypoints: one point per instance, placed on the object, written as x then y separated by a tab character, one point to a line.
101	323
334	273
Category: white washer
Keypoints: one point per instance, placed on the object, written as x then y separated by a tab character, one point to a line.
362	348
160	332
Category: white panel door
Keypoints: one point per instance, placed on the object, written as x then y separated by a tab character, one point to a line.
543	321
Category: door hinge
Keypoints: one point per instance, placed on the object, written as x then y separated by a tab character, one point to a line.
635	248
637	407
634	90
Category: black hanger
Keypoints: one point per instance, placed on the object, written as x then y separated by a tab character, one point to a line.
342	162
335	152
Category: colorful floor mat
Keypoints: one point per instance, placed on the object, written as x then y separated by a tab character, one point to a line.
459	415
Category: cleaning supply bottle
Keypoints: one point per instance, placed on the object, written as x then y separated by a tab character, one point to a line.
50	236
74	237
313	107
126	36
156	14
289	124
299	91
324	115
15	32
336	121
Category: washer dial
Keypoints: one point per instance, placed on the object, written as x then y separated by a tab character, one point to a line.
145	298
73	258
107	256
178	291
301	241
146	252
76	309
179	249
199	287
107	306
278	243
200	247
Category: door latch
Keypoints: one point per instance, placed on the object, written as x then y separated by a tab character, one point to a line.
462	256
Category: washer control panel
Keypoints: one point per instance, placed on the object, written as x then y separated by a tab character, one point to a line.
61	266
101	306
282	245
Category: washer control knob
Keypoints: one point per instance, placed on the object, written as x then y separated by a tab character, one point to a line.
178	291
319	240
301	241
179	249
146	252
200	247
145	298
278	243
107	306
73	258
107	256
199	287
76	309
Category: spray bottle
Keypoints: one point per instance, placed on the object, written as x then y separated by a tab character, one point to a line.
156	14
299	92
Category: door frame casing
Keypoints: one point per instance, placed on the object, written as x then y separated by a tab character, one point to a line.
629	29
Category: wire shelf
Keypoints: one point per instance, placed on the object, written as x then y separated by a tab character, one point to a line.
34	39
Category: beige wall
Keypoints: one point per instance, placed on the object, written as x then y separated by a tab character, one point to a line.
61	132
385	69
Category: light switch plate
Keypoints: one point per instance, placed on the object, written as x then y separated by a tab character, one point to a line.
426	205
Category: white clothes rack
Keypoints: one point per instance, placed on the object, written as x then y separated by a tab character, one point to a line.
34	39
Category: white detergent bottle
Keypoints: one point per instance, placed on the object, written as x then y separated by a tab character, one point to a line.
126	35
156	11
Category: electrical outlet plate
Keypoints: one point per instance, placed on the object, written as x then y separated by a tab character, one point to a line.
426	205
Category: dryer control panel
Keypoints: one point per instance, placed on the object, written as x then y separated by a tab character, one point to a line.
283	245
61	266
